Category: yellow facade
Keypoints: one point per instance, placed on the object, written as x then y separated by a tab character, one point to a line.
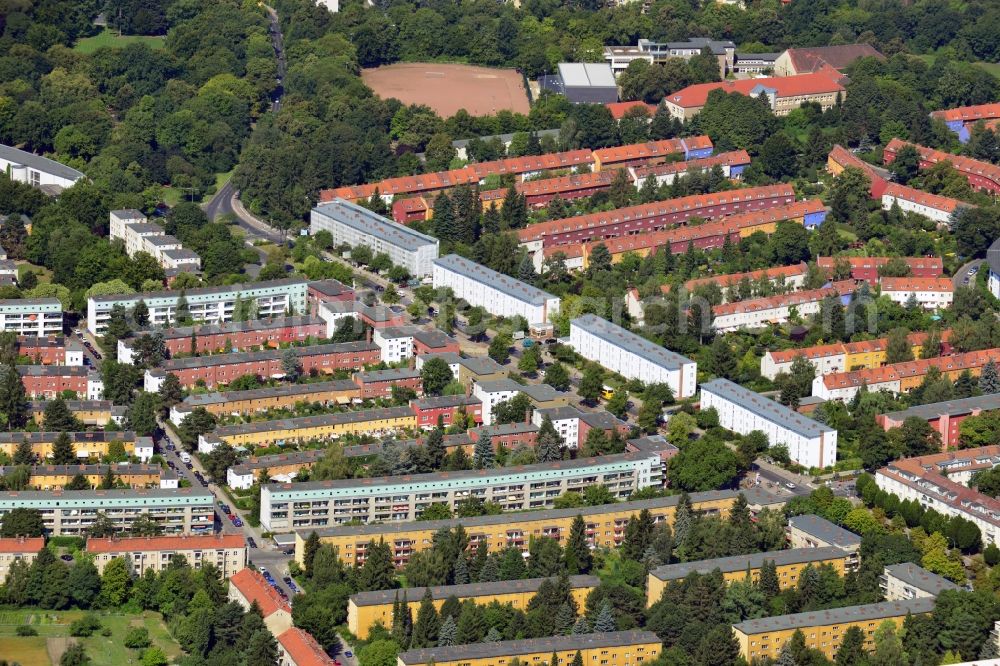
251	406
331	431
43	449
361	619
89	416
602	528
142	479
616	655
788	575
825	637
872	359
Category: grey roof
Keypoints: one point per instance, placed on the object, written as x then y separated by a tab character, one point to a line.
200	291
863	613
505	429
203	494
473	651
767	408
629	341
53	370
505	138
313	421
225	328
993	256
329	287
398	331
560	413
444	401
181	253
736	563
146	228
985	403
41	341
587	75
717	46
920	578
74	405
652	443
478	365
201	399
387	375
766	57
522	291
825	531
306	457
117	468
85	436
164	240
381	597
367	222
607	420
268	354
433	337
38	162
48	302
484	474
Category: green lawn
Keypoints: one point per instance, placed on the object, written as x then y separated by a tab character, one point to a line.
102	650
991	67
109	39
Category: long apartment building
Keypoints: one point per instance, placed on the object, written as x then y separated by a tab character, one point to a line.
900	377
212	305
731	164
911	200
960	120
981	175
615	648
55	477
224	368
768	310
140	235
73	512
632	356
604	526
708	236
232	336
944	417
788	564
634	220
498	294
365	609
89	444
867	268
939	481
927	293
327	503
823	630
355	225
841	158
783	94
52	381
900	582
50	350
32	316
809	442
842	356
812	531
14	549
244	403
227	552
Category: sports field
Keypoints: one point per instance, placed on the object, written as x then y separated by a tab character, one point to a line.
447	88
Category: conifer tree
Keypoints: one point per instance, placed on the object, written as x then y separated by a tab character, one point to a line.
605	618
448	632
768	580
989	380
578	557
490	571
461	575
428	624
63	452
483	456
309	552
548	447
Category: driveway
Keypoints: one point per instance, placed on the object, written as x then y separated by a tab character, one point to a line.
963	276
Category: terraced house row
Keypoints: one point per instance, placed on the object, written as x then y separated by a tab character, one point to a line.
605	526
55	477
90	412
981	175
244	403
88	444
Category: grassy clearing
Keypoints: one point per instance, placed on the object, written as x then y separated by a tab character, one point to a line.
110	39
991	67
29	651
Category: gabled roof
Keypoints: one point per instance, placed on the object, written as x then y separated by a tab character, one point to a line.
253	587
814	59
917	284
916	368
303	649
732	158
179	542
970	114
21	544
912	194
781	300
695	96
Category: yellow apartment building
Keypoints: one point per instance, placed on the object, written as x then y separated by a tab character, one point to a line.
366	608
49	477
614	648
90	412
336	392
326	426
605	526
87	444
788	564
823	630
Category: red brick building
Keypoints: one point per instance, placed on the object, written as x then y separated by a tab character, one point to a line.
433	341
210	338
981	175
944	417
50	380
447	407
840	158
379	383
510	435
326	291
53	350
866	268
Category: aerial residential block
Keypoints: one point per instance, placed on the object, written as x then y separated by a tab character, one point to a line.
632	356
731	164
379	383
960	120
841	158
73	512
783	94
909	199
355	225
900	582
40	172
89	444
619	57
248	586
32	316
573	425
867	268
140	235
981	175
768	310
51	381
944	417
492	393
210	305
295	646
324	426
468	369
810	443
56	477
334	392
812	531
227	552
498	294
927	293
13	549
50	350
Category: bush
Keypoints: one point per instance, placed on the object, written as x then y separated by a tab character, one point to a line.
137	638
85	626
25	630
992	555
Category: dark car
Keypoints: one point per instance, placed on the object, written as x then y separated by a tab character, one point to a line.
251	542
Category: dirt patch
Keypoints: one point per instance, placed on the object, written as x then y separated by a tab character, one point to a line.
56	647
447	88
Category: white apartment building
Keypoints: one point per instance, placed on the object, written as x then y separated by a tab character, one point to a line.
13	549
500	295
32	316
41	172
827	359
140	235
228	552
395	342
566	421
210	305
632	356
911	200
354	225
809	443
760	312
493	393
929	293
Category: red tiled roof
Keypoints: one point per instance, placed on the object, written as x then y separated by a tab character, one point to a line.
969	114
303	649
784	86
528	163
728	279
859	347
794	298
690	203
253	587
836	57
410	205
22	544
732	158
966	165
180	542
917	284
558	185
916	368
639	151
846	158
619	109
935	201
915	263
814	352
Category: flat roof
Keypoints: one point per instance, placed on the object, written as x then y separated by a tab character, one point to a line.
735	563
54	370
877	611
472	651
824	530
587	75
200	291
365	221
522	291
629	341
17	156
387	375
932	410
229	327
769	409
116	493
920	578
381	597
82	436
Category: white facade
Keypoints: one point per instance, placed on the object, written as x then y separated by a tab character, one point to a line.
774	363
631	356
355	225
928	298
32	316
828	389
760	312
395	345
936	208
498	294
493	393
140	235
34	170
237	480
566	421
809	443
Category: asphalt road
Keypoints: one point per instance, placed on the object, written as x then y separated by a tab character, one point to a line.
963	277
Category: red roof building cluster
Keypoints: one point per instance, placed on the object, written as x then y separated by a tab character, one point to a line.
840	158
866	268
969	114
981	175
785	87
731	158
251	584
732	279
841	288
913	195
911	370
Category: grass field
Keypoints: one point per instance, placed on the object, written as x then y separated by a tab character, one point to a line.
991	67
102	650
109	39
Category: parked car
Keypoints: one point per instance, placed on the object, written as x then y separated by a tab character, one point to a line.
251	542
238	523
348	653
